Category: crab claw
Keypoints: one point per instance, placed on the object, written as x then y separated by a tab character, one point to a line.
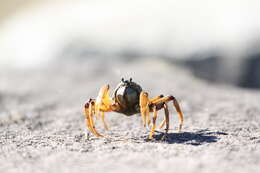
103	100
89	117
144	108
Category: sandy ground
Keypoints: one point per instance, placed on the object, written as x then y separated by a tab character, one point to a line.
42	124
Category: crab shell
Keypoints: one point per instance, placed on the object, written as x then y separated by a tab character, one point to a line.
127	94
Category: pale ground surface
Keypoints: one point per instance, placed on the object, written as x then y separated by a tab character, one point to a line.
42	125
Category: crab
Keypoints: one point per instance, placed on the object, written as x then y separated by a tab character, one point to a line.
130	99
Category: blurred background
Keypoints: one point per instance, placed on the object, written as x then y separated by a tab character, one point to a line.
218	41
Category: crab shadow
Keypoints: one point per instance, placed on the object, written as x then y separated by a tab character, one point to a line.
190	138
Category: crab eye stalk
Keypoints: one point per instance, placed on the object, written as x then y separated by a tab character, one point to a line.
130	79
122	80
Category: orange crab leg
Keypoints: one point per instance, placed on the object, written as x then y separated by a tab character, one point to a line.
103	120
162	123
156	98
166	112
176	105
148	117
90	117
167	120
87	118
151	101
154	122
144	108
180	115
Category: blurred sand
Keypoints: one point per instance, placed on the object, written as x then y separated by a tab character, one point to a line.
42	125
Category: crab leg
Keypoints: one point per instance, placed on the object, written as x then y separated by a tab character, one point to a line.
166	111
151	101
162	123
90	119
154	122
156	98
180	115
167	120
148	117
103	120
176	105
86	109
144	108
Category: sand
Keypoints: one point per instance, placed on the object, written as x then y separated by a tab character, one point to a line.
42	124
